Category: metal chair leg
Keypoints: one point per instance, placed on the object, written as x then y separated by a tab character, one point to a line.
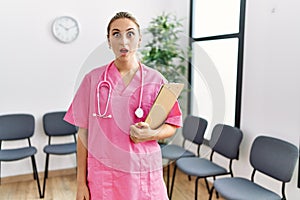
36	175
207	186
196	188
46	165
173	180
217	194
211	193
33	172
45	174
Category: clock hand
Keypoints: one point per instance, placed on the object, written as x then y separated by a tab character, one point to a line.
63	27
70	27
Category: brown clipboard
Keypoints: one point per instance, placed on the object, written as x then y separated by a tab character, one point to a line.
164	102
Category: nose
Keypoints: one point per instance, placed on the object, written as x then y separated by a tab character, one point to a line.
124	40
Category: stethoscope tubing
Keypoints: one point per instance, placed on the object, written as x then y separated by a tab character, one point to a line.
107	84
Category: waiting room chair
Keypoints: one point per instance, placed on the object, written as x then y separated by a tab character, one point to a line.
225	140
55	126
270	156
193	130
18	127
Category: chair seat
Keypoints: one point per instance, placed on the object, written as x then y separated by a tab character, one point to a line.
60	149
243	189
174	152
17	154
199	167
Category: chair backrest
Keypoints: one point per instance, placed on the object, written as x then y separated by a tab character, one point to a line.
16	126
226	140
194	129
54	124
274	157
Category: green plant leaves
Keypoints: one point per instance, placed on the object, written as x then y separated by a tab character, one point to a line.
163	51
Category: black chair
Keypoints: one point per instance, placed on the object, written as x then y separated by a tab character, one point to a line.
193	130
225	140
55	126
270	156
18	127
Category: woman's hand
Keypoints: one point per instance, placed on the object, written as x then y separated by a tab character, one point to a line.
141	132
83	192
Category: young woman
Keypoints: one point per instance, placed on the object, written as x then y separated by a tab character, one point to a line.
117	153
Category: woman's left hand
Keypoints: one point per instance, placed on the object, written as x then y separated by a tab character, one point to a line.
141	132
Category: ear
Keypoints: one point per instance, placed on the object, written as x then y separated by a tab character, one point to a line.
108	41
140	41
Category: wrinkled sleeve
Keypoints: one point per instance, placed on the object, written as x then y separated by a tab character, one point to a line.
175	116
78	112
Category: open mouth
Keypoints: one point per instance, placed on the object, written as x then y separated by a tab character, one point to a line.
124	51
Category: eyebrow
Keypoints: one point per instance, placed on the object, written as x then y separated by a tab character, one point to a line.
115	29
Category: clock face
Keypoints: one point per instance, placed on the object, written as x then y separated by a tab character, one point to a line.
65	29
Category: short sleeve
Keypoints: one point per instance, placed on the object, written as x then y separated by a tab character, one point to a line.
78	112
175	116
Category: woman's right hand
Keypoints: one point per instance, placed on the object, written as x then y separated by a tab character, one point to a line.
83	192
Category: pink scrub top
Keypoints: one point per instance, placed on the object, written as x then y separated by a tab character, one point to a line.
119	169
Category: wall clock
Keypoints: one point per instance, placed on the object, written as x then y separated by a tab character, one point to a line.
65	29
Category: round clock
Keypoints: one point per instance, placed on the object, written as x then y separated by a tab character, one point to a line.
65	29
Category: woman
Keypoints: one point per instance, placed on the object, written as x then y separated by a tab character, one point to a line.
117	153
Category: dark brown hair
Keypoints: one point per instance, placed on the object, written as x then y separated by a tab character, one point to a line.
121	15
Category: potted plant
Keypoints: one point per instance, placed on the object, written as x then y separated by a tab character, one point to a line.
163	51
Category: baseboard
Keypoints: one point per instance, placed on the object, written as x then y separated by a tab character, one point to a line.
28	177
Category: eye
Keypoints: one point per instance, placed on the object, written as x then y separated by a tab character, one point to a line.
130	34
116	34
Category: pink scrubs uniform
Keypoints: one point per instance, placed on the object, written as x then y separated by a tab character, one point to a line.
119	169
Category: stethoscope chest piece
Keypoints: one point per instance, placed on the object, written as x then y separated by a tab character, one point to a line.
139	112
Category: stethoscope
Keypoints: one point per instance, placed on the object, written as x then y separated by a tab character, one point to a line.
105	83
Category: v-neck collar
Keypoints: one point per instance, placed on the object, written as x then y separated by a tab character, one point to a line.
114	76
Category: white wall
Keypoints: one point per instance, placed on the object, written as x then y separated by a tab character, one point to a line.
38	74
271	86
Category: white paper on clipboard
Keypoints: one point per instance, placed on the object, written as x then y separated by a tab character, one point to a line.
163	104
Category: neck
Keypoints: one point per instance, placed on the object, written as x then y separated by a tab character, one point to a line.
127	65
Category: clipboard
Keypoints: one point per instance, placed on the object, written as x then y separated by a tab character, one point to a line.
164	102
